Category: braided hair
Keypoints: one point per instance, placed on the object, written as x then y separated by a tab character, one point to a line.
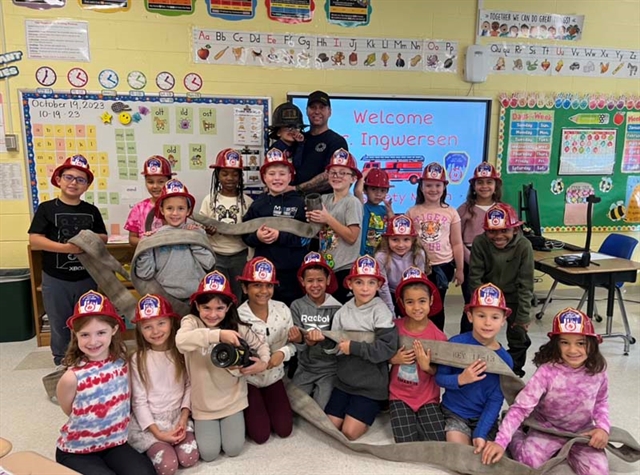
216	186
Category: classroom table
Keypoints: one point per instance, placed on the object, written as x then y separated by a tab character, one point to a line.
599	272
32	463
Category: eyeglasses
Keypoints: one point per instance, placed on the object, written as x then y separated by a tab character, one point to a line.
339	174
71	178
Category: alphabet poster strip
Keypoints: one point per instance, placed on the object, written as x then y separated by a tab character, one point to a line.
290	11
545	26
232	11
323	52
548	60
348	13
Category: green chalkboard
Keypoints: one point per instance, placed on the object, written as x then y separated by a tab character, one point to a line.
568	147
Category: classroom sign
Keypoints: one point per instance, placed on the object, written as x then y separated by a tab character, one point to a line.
539	26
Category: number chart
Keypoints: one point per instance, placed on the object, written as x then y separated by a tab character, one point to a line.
118	133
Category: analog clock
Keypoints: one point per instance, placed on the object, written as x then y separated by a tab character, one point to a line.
46	76
108	78
192	82
77	77
165	81
136	80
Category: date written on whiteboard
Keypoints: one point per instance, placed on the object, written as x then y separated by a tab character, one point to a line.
74	104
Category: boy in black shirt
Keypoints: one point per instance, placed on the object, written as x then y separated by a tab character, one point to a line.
56	221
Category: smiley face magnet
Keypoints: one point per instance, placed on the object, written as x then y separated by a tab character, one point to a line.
124	118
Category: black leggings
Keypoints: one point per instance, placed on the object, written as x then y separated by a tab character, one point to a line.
449	270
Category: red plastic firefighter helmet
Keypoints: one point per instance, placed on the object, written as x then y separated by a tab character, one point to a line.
377	178
228	158
488	295
79	163
365	266
259	270
435	171
157	165
94	303
214	283
485	170
501	216
573	322
315	259
343	158
153	306
277	157
171	189
400	225
413	275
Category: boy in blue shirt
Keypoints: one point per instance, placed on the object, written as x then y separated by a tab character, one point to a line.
472	398
377	210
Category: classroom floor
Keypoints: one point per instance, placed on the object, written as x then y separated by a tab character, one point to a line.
31	422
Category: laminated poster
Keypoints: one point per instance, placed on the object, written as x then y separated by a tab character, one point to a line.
40	4
247	126
348	13
631	214
290	11
631	149
556	60
232	10
531	135
587	151
170	7
106	6
540	26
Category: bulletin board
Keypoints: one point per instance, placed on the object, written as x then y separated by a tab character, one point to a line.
118	133
569	147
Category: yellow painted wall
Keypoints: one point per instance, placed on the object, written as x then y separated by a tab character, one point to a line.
151	43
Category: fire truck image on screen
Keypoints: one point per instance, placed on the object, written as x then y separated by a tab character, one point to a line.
398	167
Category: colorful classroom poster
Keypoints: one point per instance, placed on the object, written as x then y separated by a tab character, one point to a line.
631	150
170	7
556	60
587	152
529	148
632	211
107	6
540	26
348	13
290	11
40	4
247	126
65	40
232	9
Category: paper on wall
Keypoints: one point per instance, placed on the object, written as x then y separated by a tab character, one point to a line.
247	126
11	182
3	143
58	40
541	26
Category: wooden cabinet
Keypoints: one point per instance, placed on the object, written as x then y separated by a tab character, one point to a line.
122	252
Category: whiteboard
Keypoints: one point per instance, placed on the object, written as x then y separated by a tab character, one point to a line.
189	131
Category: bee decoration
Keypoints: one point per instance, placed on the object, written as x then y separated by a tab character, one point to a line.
557	186
606	184
617	211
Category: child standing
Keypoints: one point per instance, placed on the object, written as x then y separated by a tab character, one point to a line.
341	215
178	268
439	231
226	202
161	393
485	190
156	171
472	398
269	407
377	210
414	396
56	221
286	129
316	372
285	250
399	249
362	383
218	395
94	393
569	362
503	255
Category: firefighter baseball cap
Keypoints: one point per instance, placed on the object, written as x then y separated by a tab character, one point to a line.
93	304
315	259
214	283
171	189
488	295
285	115
157	165
365	266
501	216
153	306
400	225
259	270
413	275
276	157
319	96
573	322
485	170
228	158
377	178
79	163
343	158
435	171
